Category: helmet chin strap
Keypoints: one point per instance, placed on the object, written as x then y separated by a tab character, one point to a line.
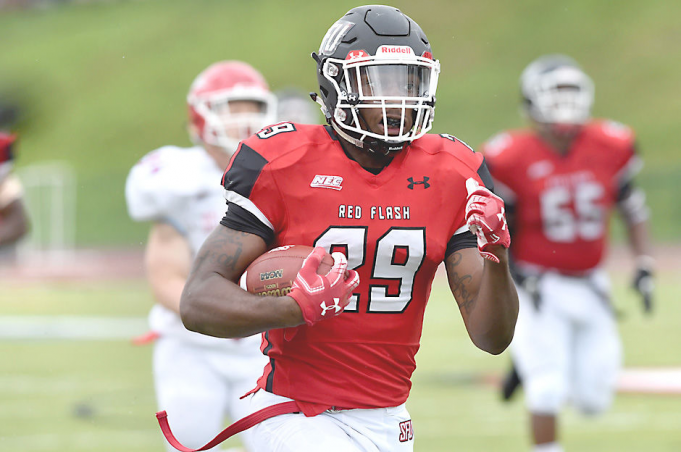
346	136
373	146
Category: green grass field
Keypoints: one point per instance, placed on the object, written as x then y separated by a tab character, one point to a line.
65	395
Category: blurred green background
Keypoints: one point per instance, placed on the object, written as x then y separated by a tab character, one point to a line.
99	84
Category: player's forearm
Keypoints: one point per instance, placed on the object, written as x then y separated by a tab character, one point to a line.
639	238
218	307
492	320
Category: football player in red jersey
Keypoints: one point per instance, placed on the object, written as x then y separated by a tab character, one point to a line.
174	188
13	216
391	203
560	179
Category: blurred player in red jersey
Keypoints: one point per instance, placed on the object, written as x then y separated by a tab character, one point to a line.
560	180
391	203
198	377
13	217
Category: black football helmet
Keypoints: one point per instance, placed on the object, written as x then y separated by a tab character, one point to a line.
377	57
556	90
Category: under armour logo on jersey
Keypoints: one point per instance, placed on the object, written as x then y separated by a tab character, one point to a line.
335	306
423	182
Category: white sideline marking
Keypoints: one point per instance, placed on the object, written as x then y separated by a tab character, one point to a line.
82	440
650	380
70	327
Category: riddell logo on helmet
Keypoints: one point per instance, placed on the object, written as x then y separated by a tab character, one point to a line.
394	50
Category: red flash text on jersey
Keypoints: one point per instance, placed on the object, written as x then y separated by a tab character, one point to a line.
375	212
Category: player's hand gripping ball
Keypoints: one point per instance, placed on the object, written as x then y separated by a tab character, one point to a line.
319	282
485	217
273	273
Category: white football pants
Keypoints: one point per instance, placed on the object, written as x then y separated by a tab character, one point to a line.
359	430
200	388
569	349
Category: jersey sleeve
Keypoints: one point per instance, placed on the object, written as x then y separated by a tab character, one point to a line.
159	183
496	154
631	200
252	195
6	155
625	155
472	165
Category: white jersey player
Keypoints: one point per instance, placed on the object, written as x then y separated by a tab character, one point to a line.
198	378
14	223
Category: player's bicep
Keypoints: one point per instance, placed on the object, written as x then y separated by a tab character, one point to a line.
464	274
228	253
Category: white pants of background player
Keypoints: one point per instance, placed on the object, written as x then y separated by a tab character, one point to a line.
365	430
569	349
200	388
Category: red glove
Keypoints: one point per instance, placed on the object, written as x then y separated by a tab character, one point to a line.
322	297
485	218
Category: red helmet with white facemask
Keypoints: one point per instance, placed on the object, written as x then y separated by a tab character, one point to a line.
212	98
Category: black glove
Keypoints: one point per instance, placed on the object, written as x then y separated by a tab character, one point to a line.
643	281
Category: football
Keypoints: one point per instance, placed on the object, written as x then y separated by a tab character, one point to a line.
273	273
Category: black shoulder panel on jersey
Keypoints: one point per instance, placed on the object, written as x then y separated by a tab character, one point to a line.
242	220
244	171
461	241
331	133
486	177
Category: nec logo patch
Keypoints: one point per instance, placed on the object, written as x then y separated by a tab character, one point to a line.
423	182
332	182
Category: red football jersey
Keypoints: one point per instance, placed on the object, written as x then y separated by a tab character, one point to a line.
562	203
394	228
6	142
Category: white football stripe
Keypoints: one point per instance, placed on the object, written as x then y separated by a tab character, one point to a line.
462	229
247	204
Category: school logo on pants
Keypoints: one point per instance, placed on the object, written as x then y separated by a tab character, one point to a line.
406	431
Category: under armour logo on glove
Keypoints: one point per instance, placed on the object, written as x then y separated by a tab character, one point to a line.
317	294
485	217
336	305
